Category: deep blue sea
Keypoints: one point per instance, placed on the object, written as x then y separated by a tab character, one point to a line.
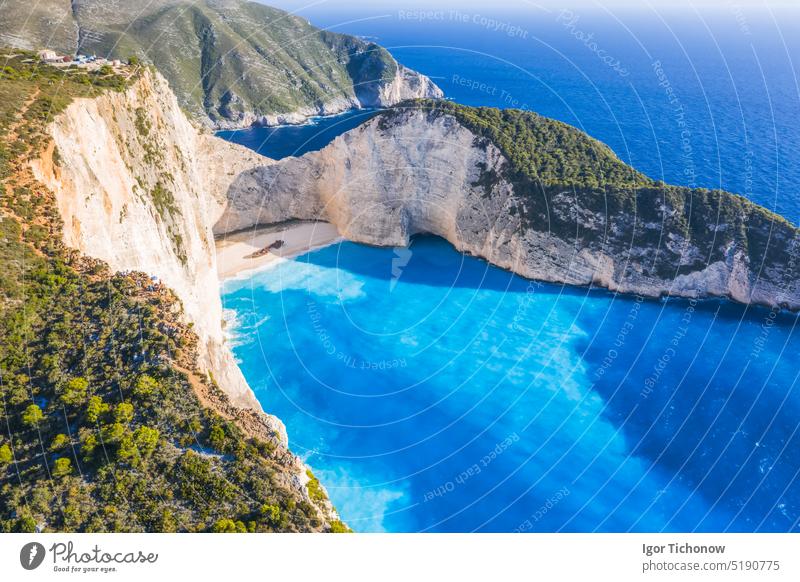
432	392
295	140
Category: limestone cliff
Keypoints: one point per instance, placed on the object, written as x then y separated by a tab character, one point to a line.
587	219
138	187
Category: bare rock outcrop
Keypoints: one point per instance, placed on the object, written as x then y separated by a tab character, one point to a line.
139	187
412	171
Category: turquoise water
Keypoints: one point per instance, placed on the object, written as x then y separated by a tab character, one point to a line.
433	392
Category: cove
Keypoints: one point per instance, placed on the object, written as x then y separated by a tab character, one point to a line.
295	140
431	391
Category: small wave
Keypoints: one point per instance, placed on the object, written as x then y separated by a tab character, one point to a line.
319	281
362	507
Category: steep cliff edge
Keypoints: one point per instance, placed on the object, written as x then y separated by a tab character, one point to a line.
138	187
231	63
531	195
111	421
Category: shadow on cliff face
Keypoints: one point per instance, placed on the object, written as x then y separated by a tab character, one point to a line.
663	369
409	266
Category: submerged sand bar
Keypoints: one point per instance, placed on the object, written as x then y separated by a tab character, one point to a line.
250	249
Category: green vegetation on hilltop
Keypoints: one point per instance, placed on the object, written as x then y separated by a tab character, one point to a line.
103	426
542	149
223	58
571	185
30	97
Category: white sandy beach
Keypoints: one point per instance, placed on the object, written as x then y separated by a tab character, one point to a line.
235	252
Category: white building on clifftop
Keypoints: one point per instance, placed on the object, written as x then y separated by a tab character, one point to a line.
48	55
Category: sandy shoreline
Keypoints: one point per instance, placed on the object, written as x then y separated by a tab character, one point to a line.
235	252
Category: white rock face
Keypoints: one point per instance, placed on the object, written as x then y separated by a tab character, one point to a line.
377	188
138	187
406	84
298	117
420	173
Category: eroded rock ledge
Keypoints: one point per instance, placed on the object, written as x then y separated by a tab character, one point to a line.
138	187
587	219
